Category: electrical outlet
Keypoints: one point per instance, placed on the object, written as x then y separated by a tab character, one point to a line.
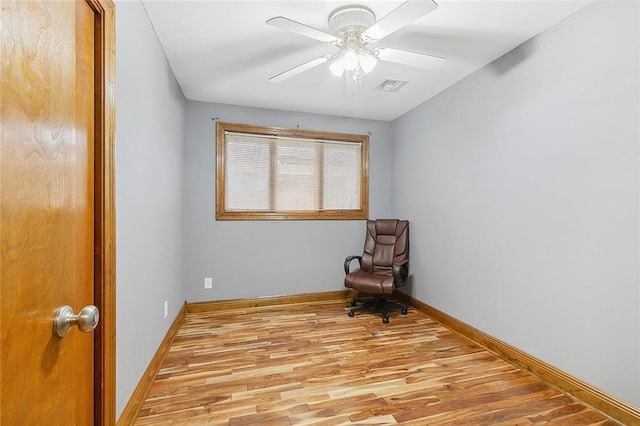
208	283
166	309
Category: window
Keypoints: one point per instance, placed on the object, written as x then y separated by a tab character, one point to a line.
275	173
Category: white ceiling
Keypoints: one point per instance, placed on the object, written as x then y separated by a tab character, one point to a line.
222	51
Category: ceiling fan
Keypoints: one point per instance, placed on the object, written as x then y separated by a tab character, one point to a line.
355	32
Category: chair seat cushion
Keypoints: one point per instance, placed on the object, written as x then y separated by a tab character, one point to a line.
369	283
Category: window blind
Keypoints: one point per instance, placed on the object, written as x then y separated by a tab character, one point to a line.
280	174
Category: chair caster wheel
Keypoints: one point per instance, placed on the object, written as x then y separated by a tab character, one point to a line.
404	311
351	314
385	319
353	303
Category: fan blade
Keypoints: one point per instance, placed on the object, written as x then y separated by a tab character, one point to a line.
418	60
305	30
299	69
402	15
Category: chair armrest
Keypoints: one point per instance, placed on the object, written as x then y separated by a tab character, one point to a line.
400	271
347	262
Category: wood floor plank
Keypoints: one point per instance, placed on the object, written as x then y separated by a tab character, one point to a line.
311	364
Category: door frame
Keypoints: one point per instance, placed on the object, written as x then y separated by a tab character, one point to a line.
104	222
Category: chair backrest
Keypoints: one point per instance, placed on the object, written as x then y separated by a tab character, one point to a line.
386	243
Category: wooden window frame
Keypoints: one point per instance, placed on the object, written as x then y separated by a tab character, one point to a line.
221	214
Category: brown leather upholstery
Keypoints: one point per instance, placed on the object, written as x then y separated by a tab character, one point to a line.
383	265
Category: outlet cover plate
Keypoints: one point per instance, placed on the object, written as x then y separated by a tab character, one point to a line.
208	283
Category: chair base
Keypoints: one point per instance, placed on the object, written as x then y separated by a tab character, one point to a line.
379	304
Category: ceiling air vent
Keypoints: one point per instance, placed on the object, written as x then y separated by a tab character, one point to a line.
391	85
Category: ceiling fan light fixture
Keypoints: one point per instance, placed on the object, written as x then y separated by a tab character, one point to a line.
366	60
350	59
337	66
356	63
347	24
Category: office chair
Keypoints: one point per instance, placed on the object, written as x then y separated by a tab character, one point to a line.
384	266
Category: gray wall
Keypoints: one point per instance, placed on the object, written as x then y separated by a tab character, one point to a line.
522	186
149	145
267	258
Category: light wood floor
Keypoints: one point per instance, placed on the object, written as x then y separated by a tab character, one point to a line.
312	364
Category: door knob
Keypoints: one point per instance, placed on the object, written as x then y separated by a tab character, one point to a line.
86	320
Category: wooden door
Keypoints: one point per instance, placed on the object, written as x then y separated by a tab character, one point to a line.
52	125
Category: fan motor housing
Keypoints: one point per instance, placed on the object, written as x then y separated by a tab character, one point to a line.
349	18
